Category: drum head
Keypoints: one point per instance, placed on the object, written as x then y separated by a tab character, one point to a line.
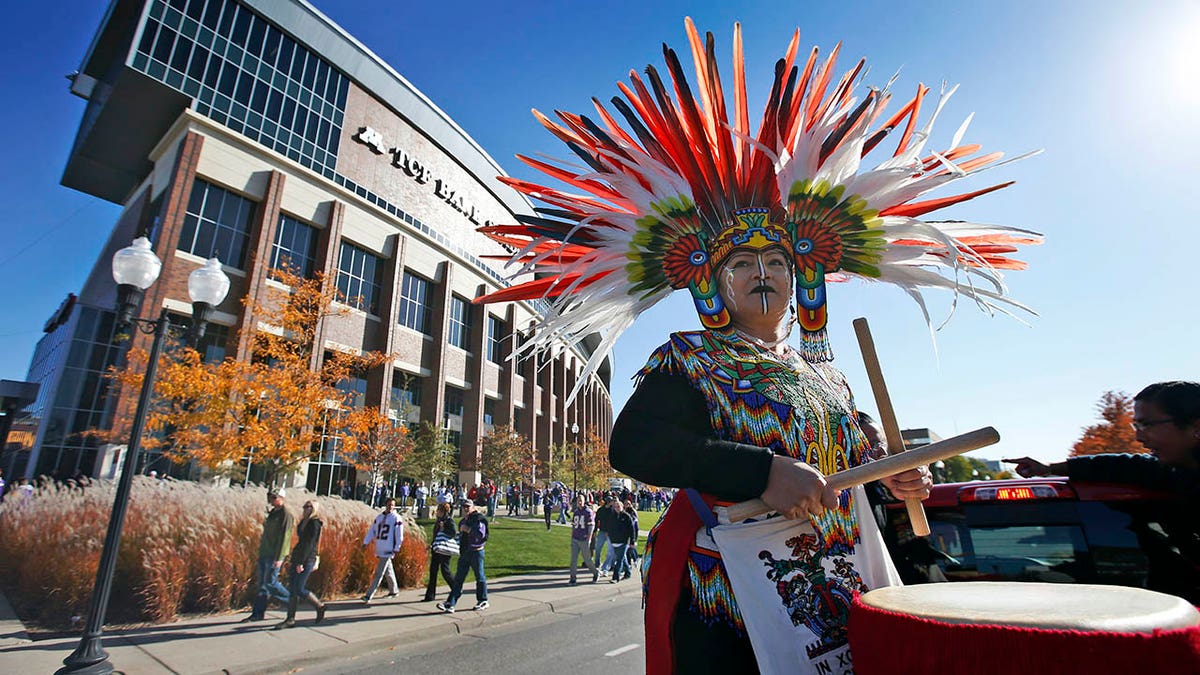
1081	607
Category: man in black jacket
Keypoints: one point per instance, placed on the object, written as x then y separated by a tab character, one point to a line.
623	533
605	519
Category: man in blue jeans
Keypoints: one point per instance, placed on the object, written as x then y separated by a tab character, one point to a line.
473	532
623	532
272	549
605	520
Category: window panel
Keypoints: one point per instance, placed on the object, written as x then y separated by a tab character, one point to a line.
460	322
223	236
295	246
415	310
360	278
495	340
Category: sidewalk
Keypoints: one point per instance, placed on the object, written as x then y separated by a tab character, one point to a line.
215	644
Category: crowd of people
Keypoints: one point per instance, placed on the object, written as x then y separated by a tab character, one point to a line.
604	535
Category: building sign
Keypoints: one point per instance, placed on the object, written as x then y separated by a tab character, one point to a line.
416	169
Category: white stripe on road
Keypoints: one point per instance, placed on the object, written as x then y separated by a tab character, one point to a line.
622	650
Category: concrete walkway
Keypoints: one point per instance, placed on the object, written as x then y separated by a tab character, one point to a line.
216	644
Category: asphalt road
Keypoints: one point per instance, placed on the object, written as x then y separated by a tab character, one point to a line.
600	638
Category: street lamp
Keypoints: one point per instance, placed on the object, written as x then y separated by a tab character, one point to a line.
135	268
575	464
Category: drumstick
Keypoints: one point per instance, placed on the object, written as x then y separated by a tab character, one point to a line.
887	417
881	468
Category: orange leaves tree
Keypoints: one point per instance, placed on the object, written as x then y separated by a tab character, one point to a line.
270	410
591	461
375	442
507	456
1114	432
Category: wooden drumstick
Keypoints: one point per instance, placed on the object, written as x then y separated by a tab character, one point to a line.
887	417
865	473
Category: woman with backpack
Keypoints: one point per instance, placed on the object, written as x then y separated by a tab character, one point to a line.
473	533
445	544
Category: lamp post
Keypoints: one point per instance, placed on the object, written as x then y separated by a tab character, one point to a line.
575	464
135	268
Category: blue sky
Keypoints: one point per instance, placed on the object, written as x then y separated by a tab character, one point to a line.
1109	90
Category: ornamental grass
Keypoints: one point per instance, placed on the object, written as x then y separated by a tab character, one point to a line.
186	548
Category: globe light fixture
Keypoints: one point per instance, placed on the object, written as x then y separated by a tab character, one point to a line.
135	268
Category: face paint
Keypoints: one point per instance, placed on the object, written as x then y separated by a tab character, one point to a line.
762	274
728	294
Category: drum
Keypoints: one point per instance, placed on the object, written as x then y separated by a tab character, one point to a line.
1001	628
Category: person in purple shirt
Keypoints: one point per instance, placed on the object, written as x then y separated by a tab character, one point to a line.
582	527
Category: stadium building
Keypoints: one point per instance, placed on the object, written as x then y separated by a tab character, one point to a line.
257	132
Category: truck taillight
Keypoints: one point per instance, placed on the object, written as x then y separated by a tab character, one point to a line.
995	493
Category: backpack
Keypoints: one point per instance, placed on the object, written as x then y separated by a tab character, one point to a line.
477	532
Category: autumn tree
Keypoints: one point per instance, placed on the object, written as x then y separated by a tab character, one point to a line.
1114	433
507	456
590	464
374	442
273	408
432	457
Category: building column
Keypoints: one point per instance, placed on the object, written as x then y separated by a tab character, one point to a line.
508	371
472	431
258	262
329	241
175	203
379	380
545	425
433	388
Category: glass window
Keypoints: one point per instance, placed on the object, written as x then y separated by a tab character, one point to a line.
316	90
295	246
454	401
415	310
460	322
355	389
359	278
495	340
217	224
406	394
489	411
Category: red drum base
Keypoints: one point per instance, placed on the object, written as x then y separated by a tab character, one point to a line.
999	628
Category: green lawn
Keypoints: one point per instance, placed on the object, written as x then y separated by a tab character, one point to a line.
523	546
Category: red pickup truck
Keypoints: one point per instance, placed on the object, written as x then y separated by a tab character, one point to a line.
1044	529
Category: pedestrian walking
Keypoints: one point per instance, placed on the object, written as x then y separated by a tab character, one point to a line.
444	545
388	534
582	533
272	549
473	532
622	533
303	561
605	519
547	506
421	494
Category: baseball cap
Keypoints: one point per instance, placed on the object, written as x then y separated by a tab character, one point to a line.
277	492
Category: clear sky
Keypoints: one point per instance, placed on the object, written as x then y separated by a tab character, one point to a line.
1110	90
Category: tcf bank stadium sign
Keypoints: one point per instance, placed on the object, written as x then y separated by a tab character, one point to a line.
419	172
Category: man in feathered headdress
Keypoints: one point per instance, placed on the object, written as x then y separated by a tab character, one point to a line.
753	225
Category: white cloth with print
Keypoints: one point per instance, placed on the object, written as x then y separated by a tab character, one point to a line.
794	603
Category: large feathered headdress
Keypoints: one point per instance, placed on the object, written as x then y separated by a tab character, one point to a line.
670	195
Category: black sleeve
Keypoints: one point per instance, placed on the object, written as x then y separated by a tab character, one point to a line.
1141	470
663	437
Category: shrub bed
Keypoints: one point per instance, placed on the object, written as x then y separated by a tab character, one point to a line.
186	548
